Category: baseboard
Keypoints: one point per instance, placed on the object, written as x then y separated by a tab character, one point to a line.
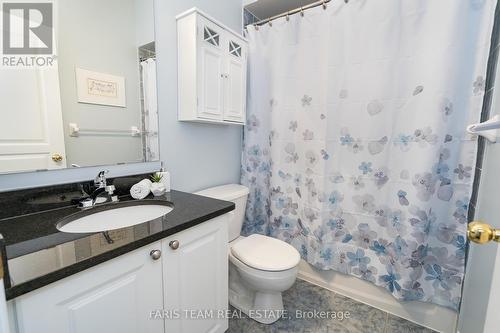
428	315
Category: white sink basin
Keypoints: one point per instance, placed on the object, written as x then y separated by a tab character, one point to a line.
114	218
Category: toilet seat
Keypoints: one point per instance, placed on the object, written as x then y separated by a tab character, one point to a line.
265	253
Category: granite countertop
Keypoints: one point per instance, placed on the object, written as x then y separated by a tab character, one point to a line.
36	253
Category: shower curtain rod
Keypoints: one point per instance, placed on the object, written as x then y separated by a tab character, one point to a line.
294	11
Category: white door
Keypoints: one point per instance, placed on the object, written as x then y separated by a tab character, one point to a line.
235	83
196	278
117	296
210	83
480	307
31	130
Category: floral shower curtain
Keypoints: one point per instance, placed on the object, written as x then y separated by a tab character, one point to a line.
355	149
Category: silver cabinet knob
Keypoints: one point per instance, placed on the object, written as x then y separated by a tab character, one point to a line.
174	245
155	254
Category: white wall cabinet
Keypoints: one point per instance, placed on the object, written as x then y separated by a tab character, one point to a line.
212	65
121	294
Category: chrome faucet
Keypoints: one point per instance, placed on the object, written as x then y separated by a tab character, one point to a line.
100	180
101	190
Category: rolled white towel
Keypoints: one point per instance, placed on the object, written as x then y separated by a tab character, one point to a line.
141	189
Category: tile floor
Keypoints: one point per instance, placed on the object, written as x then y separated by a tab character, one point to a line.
304	296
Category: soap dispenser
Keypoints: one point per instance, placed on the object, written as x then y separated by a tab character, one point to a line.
165	178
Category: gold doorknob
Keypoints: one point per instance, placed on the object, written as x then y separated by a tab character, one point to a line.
482	233
57	158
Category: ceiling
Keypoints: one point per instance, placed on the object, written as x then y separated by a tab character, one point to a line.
266	8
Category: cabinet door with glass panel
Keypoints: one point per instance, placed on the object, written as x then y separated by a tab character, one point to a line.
235	79
211	59
212	70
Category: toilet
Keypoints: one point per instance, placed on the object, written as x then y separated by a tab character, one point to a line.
260	267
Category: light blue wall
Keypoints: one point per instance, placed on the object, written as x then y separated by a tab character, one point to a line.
197	155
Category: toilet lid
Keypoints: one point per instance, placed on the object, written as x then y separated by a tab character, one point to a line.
266	253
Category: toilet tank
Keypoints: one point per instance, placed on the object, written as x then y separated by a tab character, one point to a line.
237	194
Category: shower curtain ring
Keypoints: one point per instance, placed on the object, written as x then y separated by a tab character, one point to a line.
270	23
324	4
302	11
256	26
287	16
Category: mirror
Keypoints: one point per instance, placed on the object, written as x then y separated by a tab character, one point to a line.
81	90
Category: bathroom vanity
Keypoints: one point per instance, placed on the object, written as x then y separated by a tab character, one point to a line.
165	275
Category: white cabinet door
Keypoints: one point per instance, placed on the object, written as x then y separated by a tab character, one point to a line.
196	278
235	83
115	296
31	130
211	66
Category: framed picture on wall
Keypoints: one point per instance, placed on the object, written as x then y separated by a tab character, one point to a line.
100	88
